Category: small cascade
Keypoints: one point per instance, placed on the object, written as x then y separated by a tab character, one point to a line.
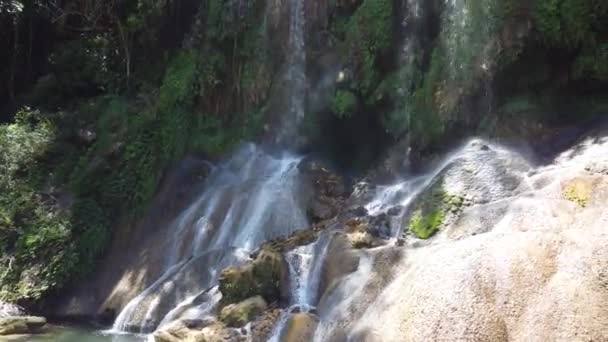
335	310
468	27
305	265
251	198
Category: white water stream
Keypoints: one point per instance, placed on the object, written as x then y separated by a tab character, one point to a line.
250	199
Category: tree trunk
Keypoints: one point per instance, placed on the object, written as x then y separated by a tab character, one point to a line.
124	40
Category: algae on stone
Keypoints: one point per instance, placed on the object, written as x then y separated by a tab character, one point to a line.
577	191
425	226
435	209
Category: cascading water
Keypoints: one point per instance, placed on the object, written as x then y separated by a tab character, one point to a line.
296	73
250	199
349	305
305	265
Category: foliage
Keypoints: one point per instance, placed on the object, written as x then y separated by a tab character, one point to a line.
592	64
567	22
368	35
344	103
578	191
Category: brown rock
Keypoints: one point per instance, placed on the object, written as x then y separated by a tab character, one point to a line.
300	328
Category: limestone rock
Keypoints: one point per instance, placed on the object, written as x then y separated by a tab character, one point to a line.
237	315
478	174
17	325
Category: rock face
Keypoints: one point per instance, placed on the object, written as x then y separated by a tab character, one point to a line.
18	325
476	174
266	276
528	265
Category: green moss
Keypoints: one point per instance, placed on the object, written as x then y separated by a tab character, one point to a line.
425	226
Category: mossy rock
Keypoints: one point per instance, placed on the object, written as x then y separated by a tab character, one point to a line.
434	210
425	226
266	276
237	315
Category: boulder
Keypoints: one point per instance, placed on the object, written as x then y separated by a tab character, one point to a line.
237	315
266	276
300	328
182	330
19	325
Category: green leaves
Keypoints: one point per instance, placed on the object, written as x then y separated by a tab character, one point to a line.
571	23
368	35
344	103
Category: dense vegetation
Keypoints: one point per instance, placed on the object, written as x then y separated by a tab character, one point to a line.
98	98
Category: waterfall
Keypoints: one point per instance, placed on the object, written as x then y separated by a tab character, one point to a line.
296	73
249	199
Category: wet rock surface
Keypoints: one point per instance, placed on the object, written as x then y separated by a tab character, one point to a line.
300	328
